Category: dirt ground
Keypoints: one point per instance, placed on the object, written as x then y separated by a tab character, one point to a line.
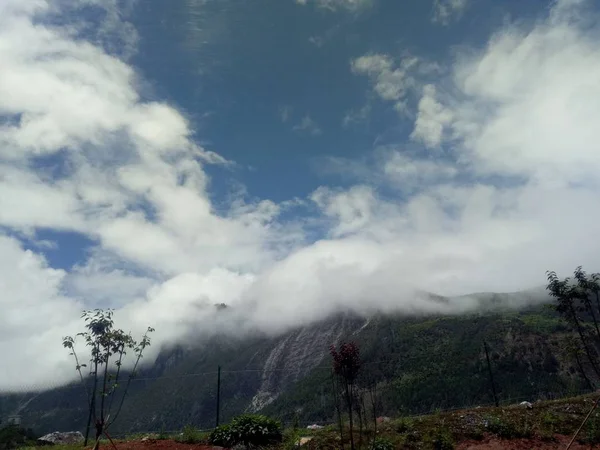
493	443
152	444
488	443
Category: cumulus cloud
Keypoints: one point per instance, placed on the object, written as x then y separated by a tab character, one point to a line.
395	80
82	151
510	192
432	117
396	168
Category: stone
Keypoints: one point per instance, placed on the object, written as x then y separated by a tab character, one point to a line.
303	441
69	437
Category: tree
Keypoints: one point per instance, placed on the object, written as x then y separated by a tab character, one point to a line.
108	346
346	365
578	302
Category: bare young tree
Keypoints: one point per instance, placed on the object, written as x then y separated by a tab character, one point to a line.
346	365
108	346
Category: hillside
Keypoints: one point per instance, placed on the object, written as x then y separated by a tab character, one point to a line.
417	364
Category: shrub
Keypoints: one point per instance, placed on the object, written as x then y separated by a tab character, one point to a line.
222	436
191	435
403	425
250	430
505	429
382	444
291	438
13	436
475	434
591	434
440	439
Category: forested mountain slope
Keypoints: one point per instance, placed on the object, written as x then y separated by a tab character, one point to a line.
415	363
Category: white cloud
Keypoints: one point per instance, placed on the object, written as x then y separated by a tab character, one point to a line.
119	170
334	5
395	168
130	177
355	117
431	119
445	10
351	210
389	83
33	313
308	126
285	113
394	82
529	107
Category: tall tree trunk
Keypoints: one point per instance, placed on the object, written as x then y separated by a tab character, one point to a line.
580	366
350	418
584	341
336	400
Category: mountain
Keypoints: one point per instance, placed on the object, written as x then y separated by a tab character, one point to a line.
416	363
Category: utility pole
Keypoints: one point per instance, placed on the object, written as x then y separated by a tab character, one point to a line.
487	357
218	394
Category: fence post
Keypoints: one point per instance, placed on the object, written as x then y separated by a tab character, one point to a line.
218	394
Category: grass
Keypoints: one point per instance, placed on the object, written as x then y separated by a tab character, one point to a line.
439	431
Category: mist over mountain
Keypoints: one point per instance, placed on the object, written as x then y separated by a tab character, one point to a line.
418	361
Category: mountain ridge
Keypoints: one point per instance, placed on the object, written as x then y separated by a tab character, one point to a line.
417	362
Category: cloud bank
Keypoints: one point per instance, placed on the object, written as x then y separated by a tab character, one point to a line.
500	187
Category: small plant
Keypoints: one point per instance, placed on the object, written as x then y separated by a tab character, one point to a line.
440	439
191	435
404	425
592	431
383	444
223	436
249	430
505	429
547	426
291	437
475	433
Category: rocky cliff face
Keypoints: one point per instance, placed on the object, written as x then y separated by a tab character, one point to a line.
295	354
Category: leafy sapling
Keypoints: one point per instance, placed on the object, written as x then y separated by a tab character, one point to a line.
108	347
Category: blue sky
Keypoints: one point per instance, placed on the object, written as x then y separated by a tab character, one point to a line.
238	69
291	158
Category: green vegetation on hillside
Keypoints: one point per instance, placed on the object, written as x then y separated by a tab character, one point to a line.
417	364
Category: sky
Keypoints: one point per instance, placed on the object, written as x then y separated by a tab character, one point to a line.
290	158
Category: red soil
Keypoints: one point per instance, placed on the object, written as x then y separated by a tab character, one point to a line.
493	443
152	444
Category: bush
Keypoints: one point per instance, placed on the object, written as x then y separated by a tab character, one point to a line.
505	429
13	436
222	436
383	444
291	438
404	425
250	430
591	431
440	439
191	435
